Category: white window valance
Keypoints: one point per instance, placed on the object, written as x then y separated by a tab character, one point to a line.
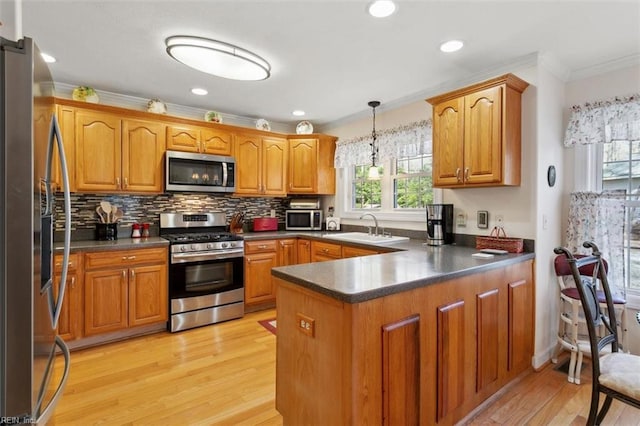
407	140
604	121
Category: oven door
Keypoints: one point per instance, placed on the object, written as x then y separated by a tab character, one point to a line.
205	277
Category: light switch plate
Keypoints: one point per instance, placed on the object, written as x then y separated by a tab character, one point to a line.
483	219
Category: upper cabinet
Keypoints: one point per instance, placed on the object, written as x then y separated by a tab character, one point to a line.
204	140
114	154
311	168
476	134
261	165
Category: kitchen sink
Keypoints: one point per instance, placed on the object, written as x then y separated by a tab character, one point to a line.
362	237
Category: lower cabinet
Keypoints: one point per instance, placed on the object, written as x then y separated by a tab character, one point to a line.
425	356
304	250
322	251
71	315
124	288
259	258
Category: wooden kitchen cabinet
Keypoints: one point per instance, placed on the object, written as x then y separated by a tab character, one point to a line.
124	289
428	355
476	134
322	251
287	252
304	250
71	314
311	169
349	251
261	165
260	257
114	154
204	140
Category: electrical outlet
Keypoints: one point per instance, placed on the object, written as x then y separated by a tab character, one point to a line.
273	213
306	324
499	220
461	220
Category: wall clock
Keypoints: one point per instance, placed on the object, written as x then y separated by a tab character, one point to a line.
551	175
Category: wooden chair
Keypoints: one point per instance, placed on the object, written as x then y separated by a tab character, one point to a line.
571	317
615	374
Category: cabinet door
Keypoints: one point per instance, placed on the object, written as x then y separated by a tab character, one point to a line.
287	252
258	285
483	136
304	251
321	251
105	301
214	141
183	138
448	143
148	298
248	164
303	163
69	324
66	121
274	171
143	146
98	151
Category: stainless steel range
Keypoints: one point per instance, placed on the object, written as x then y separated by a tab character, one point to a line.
205	269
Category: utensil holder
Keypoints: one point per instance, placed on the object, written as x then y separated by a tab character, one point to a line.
106	231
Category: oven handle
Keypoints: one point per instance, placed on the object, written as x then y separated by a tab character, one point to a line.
200	256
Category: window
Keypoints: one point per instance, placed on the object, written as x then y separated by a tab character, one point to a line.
619	170
413	184
408	188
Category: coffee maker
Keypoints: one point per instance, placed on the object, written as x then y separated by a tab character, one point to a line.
439	224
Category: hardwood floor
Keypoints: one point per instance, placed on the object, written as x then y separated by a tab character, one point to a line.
225	374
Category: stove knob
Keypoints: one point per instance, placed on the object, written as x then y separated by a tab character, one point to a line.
183	248
210	246
194	247
225	245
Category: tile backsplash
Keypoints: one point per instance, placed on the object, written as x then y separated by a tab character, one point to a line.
147	208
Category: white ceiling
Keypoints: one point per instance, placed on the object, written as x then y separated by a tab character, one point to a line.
328	57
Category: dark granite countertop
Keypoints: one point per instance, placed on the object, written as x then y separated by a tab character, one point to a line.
119	244
364	278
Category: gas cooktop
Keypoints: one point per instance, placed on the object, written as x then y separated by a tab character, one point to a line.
200	237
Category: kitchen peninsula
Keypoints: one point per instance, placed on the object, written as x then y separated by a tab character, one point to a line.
420	336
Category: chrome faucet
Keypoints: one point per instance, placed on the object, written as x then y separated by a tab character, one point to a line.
374	219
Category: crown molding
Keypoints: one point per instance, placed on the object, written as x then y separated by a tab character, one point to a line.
65	90
605	67
447	86
554	66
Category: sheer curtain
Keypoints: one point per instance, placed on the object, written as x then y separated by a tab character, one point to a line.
411	140
600	217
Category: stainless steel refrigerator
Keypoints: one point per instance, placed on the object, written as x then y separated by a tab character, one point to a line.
30	386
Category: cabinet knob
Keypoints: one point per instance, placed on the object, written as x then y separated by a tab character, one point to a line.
126	183
133	275
118	182
466	174
73	282
262	247
458	174
124	274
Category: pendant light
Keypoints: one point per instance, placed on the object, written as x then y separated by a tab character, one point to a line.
373	170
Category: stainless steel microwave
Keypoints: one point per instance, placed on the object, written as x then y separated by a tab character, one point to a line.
187	171
303	220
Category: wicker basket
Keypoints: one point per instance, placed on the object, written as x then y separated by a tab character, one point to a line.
498	240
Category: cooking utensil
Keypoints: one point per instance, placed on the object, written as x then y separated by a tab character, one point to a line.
114	210
106	207
117	215
100	213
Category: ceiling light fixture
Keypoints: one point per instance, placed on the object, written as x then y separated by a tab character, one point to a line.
217	58
451	46
298	113
48	58
382	8
199	91
373	170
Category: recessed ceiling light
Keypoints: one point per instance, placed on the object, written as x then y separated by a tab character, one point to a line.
48	58
298	113
217	58
199	91
451	46
382	8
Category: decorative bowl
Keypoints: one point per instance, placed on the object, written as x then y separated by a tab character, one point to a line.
263	124
85	94
213	117
157	106
304	128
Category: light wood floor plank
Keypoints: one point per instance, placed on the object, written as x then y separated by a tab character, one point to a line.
224	374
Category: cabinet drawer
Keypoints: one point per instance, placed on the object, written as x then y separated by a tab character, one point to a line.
74	258
120	258
264	246
326	249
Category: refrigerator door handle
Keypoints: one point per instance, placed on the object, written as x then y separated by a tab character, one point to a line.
55	138
46	414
